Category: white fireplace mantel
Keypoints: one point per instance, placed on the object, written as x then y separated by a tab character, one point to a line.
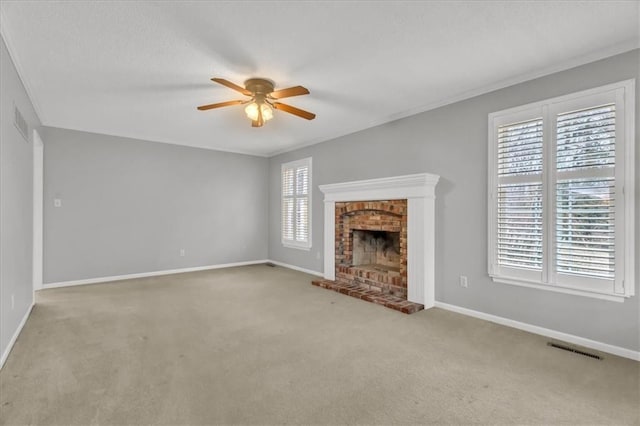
419	191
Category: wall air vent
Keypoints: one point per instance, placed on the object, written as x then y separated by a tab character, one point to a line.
21	123
574	350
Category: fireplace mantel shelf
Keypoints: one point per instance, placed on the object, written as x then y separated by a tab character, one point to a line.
419	191
390	188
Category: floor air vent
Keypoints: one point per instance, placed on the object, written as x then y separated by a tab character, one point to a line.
574	350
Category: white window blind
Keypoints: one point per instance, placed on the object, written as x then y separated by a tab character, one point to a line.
520	194
585	192
296	204
560	193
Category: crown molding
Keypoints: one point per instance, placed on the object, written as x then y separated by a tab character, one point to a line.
574	62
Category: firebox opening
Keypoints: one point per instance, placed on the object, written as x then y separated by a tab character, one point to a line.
376	250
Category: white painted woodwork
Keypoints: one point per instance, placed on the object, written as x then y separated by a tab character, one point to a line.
38	209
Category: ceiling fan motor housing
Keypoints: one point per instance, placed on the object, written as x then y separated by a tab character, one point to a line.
259	86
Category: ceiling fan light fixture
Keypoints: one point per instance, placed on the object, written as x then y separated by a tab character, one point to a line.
263	100
252	111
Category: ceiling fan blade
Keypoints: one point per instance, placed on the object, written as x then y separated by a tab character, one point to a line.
233	86
287	93
219	105
293	110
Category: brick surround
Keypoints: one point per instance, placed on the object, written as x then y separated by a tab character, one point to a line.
389	216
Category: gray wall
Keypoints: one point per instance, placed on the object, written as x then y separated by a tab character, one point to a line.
452	142
16	202
129	206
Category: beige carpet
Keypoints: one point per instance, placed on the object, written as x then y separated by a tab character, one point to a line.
260	345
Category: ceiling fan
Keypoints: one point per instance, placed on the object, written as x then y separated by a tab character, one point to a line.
263	100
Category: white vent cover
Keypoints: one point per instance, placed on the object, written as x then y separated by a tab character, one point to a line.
21	123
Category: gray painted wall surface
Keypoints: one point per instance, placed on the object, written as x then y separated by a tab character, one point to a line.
452	142
129	206
16	202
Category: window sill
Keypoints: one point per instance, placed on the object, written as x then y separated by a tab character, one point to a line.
294	246
603	296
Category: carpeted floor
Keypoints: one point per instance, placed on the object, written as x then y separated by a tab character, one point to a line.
260	345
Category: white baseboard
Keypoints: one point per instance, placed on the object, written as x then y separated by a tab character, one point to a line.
570	338
297	268
148	274
12	342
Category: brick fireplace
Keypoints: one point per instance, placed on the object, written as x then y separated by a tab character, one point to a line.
379	240
371	245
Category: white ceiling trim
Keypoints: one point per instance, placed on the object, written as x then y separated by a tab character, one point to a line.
141	94
568	64
134	137
45	122
565	65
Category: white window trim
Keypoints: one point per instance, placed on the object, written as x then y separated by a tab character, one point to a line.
625	97
292	165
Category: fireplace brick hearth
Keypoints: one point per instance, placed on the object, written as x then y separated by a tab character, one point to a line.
354	290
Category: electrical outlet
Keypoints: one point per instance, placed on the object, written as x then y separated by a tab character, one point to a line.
182	252
13	301
57	202
464	282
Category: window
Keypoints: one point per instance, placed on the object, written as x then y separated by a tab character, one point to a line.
296	204
561	206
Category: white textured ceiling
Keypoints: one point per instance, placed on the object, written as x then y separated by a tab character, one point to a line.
139	69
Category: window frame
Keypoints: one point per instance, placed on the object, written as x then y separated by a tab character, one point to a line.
623	286
293	165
